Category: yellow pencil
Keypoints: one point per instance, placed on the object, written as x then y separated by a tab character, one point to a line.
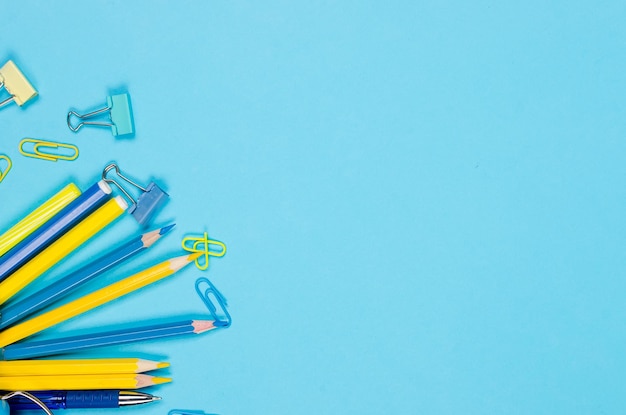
95	299
38	217
80	382
62	247
78	367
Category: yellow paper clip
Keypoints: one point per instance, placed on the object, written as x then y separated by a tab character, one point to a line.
5	170
203	245
39	144
13	80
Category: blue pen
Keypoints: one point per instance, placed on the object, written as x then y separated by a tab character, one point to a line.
82	399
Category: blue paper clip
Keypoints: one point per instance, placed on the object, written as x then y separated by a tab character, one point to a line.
148	203
5	408
120	114
187	412
206	295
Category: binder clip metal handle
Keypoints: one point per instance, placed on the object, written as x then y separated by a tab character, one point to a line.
120	116
150	200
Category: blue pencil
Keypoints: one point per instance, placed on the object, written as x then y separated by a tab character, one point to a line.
59	289
27	350
60	223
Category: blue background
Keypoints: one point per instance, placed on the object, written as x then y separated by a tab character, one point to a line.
422	201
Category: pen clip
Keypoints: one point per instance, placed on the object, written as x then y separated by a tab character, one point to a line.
206	296
27	395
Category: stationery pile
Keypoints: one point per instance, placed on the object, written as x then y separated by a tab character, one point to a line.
29	373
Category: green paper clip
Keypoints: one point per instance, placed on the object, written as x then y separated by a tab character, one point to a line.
120	114
5	171
44	155
203	245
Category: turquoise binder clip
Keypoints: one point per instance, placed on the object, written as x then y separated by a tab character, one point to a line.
120	113
148	203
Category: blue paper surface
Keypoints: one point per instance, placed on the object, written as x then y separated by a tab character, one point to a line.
422	201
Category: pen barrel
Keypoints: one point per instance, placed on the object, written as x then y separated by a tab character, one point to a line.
68	400
92	399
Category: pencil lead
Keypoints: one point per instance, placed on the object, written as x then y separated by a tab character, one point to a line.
151	237
166	229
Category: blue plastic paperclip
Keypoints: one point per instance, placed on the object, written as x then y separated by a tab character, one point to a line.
120	114
219	299
148	203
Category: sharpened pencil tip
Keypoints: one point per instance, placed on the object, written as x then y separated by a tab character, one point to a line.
166	229
159	380
162	365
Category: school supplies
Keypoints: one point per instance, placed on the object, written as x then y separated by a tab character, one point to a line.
78	367
120	115
62	247
80	382
64	220
66	285
94	299
210	296
82	399
205	243
13	80
148	203
4	167
38	150
38	217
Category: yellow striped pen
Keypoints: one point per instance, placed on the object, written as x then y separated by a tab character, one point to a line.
38	217
62	247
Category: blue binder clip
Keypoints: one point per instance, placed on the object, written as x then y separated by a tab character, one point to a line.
120	113
151	199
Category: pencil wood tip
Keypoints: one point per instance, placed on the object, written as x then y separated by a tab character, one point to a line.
181	261
200	326
147	380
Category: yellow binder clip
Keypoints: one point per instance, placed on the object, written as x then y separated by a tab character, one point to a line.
68	151
16	84
203	245
5	170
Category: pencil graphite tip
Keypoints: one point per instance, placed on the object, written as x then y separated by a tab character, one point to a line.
151	237
158	380
162	365
166	229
